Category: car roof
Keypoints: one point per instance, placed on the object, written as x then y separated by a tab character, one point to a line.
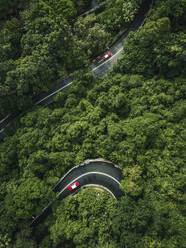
73	185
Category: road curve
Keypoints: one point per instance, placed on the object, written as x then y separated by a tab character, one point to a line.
95	171
98	172
98	165
99	68
97	178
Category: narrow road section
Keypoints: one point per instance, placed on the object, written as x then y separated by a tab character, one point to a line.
99	68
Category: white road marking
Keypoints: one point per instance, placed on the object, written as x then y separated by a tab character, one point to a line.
64	86
4	118
100	61
71	81
53	93
108	59
89	173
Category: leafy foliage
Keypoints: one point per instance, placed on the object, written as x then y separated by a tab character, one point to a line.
46	42
135	117
86	222
9	7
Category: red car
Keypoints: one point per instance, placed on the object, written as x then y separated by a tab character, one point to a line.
73	186
106	56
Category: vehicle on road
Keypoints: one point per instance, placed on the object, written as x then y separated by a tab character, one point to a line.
73	186
106	56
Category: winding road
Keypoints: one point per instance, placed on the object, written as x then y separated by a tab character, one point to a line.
99	68
97	173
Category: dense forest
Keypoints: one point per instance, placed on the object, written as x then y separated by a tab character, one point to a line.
134	116
47	41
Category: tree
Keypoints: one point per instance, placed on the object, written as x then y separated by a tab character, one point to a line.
129	10
130	222
9	7
88	220
81	5
24	239
143	42
23	203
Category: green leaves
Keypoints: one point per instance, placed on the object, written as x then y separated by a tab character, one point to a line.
129	10
131	221
47	43
135	122
8	7
31	195
86	221
132	184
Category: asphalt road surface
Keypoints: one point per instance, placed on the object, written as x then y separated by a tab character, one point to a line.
99	68
95	172
97	178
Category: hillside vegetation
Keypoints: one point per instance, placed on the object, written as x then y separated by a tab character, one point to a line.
134	117
47	40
